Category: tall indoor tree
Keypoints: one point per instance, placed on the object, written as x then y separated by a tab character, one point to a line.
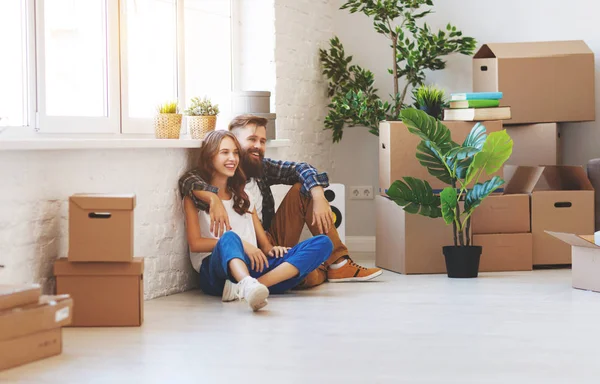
415	48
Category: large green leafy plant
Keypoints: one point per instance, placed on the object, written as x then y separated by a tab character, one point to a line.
458	165
415	48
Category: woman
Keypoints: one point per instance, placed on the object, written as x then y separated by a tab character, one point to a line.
242	263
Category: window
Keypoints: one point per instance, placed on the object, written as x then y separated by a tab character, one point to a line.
14	109
103	66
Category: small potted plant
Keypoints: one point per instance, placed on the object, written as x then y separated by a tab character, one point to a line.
167	122
459	166
430	99
202	117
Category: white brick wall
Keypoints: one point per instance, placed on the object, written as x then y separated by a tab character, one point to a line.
301	27
34	210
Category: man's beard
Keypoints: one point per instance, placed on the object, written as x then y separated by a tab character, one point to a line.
252	165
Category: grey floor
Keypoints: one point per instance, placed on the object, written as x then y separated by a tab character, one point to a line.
519	327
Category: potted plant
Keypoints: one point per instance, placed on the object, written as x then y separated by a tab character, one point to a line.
430	99
167	122
459	166
202	117
415	49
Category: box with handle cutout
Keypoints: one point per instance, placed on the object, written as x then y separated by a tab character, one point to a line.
101	227
562	200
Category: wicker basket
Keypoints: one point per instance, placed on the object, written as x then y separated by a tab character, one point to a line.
199	126
167	125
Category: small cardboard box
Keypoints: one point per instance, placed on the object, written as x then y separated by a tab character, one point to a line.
585	269
30	348
562	200
101	227
535	144
12	296
105	294
542	82
509	212
409	243
48	313
505	252
398	149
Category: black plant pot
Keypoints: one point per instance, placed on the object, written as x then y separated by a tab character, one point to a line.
462	262
435	111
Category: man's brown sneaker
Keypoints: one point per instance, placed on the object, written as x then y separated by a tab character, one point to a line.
348	270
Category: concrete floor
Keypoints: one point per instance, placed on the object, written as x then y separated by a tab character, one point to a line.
518	327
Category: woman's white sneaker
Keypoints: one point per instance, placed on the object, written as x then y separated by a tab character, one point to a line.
253	292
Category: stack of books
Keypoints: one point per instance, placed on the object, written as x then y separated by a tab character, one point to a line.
476	106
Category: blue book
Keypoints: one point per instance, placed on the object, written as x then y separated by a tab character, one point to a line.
476	96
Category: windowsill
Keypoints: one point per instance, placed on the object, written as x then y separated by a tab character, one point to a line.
23	139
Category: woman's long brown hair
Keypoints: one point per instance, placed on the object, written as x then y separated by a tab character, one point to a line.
236	183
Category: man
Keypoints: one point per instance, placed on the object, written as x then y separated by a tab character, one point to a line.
304	203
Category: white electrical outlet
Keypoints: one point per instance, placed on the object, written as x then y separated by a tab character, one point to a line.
363	192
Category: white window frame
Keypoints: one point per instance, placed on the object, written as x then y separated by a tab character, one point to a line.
31	64
81	124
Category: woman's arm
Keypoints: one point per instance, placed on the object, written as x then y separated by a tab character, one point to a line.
263	241
196	242
261	236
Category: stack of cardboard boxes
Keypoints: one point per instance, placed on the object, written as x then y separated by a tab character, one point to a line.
31	324
101	274
543	84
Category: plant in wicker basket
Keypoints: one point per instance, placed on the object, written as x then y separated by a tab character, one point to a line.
202	117
167	122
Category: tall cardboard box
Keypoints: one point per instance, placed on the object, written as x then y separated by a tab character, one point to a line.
33	331
398	149
101	227
408	243
535	144
106	294
585	269
562	200
542	82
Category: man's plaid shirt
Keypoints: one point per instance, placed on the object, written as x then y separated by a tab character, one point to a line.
274	172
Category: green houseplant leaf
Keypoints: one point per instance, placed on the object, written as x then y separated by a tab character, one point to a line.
480	191
496	150
426	127
431	157
460	158
449	201
416	196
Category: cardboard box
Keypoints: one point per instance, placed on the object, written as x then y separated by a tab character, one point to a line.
562	200
398	148
29	348
542	82
586	260
509	212
535	144
105	294
101	227
12	296
48	313
505	252
408	243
